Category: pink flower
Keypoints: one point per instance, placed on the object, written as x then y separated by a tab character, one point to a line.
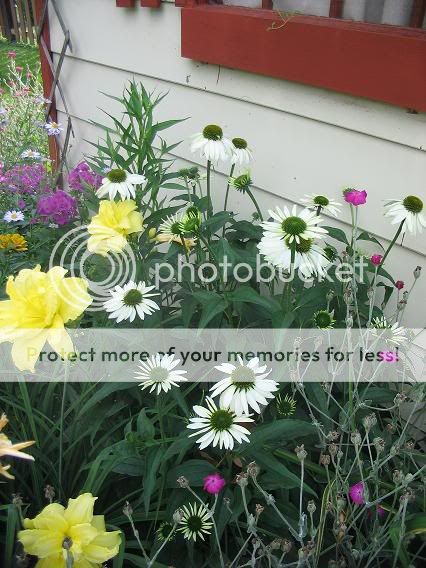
11	54
379	510
19	69
356	493
399	284
376	259
355	197
214	483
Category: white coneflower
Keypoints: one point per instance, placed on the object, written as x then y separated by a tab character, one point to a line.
173	230
159	373
195	521
294	226
30	155
244	387
212	144
389	333
321	203
323	319
241	154
13	216
407	211
218	426
129	301
120	182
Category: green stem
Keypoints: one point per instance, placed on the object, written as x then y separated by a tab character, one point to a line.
392	243
250	194
227	187
209	201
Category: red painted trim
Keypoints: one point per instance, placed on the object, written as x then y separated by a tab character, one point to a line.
384	63
150	3
47	77
180	3
336	8
418	13
125	3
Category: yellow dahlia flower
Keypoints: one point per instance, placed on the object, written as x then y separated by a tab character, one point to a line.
40	304
58	529
11	450
13	242
109	228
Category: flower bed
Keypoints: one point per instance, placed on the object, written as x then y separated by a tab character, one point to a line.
254	466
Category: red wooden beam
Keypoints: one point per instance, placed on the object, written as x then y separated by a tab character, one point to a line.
47	77
336	8
418	13
125	3
384	63
150	3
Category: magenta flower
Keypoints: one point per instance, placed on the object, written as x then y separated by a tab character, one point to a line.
214	483
356	493
19	69
376	259
58	207
82	175
355	197
11	54
399	284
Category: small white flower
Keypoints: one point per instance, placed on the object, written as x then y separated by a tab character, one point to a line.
241	154
292	233
212	144
244	387
321	203
159	373
30	155
3	111
172	229
387	332
130	300
218	426
13	216
120	182
195	521
407	211
53	128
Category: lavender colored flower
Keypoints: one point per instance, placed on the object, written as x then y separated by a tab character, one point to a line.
25	179
58	207
53	128
83	175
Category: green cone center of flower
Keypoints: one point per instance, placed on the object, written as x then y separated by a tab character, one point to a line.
321	201
176	229
323	319
243	377
213	132
194	523
132	298
117	176
413	204
221	420
239	143
164	531
158	374
242	182
286	406
294	226
303	247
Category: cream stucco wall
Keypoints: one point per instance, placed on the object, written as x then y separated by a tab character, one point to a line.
304	139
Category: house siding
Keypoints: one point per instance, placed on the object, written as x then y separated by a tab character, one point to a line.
304	139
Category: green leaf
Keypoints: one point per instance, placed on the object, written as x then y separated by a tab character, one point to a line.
337	234
193	470
281	431
144	426
251	296
416	524
364	236
152	464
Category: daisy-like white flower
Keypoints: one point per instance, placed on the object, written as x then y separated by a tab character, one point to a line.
218	426
131	300
321	203
119	182
291	234
389	333
242	182
212	144
13	216
241	154
244	387
30	155
195	521
53	128
159	373
173	229
407	211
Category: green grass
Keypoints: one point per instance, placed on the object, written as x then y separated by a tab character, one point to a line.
25	55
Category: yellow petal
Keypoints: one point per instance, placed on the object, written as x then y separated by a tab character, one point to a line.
98	522
80	510
60	341
51	518
82	534
108	539
41	543
99	554
56	561
73	298
26	349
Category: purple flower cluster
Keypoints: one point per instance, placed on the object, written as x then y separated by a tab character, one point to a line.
82	175
58	207
24	179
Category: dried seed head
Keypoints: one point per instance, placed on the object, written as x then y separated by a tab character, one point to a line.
286	545
270	499
49	493
259	509
333	449
182	482
399	398
325	460
253	470
241	479
417	272
409	446
369	421
276	544
379	444
178	516
127	510
301	453
397	476
17	499
356	438
333	436
311	507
